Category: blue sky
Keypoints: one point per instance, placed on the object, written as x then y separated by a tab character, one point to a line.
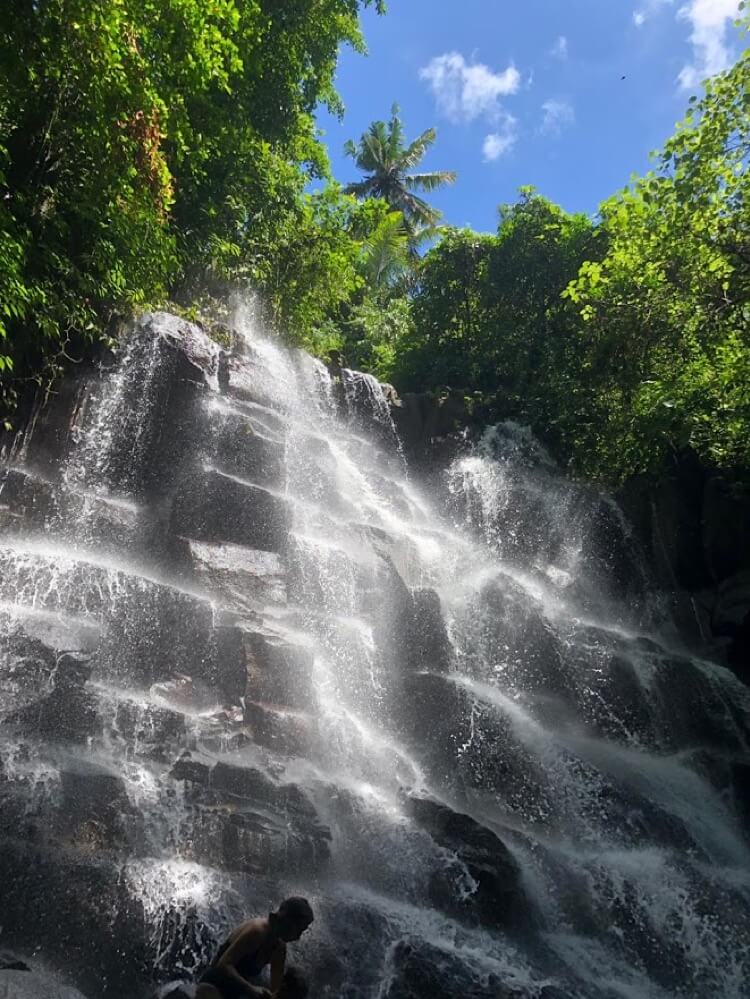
531	92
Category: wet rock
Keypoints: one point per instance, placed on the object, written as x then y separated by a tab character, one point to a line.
9	962
242	820
418	970
94	811
278	672
495	897
210	506
236	448
424	419
68	712
607	689
244	579
286	732
428	646
26	501
611	553
706	713
24	984
465	742
506	627
152	731
739	772
79	912
26	665
155	631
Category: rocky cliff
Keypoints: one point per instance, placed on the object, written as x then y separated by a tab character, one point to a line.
245	654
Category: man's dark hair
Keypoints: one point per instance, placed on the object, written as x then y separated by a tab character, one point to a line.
296	910
293	985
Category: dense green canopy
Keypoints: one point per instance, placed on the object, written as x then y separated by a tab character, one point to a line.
153	150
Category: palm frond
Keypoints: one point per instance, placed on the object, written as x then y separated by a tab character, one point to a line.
429	181
415	151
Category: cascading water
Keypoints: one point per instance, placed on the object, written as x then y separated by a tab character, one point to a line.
244	655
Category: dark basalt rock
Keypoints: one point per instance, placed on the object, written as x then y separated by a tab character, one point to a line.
289	733
278	672
236	448
68	712
211	506
241	820
418	970
497	899
9	962
80	910
467	743
245	579
26	501
95	812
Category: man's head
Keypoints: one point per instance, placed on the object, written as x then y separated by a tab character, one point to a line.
292	918
293	985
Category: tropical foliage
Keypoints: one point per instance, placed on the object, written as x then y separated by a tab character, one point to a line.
147	146
158	150
388	163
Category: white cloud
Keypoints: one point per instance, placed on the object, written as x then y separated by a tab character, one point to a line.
465	91
710	21
647	9
557	116
497	144
560	49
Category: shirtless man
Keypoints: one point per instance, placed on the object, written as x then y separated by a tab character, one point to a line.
250	948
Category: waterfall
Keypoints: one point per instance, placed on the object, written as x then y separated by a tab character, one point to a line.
243	654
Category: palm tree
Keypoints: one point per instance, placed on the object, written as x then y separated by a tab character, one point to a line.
383	156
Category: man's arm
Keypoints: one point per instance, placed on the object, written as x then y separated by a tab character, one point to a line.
278	960
246	942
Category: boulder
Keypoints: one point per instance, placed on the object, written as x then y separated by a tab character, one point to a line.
214	507
496	898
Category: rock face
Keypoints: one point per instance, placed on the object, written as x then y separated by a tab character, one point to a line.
243	656
497	898
695	527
